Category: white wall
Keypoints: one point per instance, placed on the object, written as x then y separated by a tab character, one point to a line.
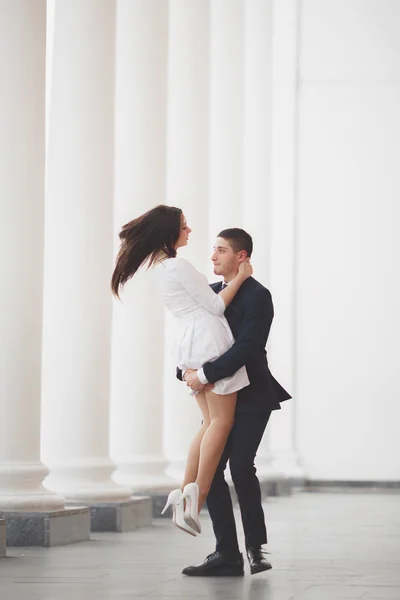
342	131
348	242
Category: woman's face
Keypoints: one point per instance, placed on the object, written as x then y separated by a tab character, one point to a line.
184	234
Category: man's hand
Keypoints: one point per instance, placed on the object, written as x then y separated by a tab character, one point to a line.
194	382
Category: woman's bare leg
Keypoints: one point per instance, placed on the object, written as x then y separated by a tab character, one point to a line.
192	463
222	416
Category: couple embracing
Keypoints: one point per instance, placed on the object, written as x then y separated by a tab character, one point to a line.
220	353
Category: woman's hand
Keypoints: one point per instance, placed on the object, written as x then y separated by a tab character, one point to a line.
245	269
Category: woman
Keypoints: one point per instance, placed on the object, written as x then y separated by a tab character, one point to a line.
203	335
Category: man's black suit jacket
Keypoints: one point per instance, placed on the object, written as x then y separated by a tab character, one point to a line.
249	316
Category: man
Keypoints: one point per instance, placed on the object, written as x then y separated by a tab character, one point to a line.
250	316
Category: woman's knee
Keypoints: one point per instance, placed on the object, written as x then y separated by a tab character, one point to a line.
205	424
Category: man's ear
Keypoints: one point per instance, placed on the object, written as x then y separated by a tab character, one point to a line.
242	256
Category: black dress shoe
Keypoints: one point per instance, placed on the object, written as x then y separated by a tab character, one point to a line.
257	560
218	564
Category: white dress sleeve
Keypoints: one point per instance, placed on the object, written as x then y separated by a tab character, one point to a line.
197	286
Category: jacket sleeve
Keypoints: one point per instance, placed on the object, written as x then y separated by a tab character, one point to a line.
251	337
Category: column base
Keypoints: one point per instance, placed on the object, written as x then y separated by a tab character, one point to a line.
121	516
273	480
3	535
275	486
148	473
158	497
285	475
53	528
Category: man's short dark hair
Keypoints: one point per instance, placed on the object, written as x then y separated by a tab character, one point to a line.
238	239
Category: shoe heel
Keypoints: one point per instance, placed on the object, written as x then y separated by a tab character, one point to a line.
168	504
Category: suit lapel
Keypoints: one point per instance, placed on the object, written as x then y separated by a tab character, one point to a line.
216	287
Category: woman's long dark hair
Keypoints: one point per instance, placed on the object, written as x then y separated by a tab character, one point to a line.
144	238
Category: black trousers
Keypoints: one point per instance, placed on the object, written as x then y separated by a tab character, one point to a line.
240	450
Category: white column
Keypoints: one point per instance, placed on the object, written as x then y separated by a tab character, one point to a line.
187	187
79	254
22	151
138	324
283	230
257	156
257	131
226	105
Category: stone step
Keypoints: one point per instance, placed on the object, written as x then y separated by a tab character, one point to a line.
73	524
52	528
121	516
3	536
282	486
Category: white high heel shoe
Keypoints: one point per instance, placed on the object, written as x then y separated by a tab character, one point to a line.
178	519
191	515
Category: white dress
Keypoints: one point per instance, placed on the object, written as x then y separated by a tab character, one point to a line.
203	333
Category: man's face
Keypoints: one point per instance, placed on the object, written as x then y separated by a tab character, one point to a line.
225	260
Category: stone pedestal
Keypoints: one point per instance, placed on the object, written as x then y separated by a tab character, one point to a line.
52	528
121	516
